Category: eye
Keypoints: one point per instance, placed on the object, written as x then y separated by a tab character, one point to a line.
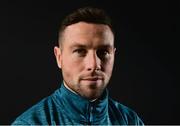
103	53
80	52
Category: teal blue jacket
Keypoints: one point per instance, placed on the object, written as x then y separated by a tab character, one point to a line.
64	107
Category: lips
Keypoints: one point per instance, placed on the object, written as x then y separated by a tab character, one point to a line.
92	79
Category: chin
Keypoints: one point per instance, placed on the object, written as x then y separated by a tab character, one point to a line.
92	97
93	93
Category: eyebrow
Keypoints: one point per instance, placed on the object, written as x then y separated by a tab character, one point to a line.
78	45
106	46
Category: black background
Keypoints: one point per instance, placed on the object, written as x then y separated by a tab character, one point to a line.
146	73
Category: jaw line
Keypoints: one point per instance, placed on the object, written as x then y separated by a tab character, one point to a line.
69	87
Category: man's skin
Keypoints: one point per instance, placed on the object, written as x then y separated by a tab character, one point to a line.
86	58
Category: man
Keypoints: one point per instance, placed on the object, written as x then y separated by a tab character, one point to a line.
86	56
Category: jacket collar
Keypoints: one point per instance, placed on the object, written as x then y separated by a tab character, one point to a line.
79	108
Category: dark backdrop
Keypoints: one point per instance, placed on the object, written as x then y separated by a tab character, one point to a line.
145	76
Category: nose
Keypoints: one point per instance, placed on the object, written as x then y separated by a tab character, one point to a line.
93	62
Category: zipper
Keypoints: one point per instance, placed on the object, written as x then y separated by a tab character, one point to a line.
90	114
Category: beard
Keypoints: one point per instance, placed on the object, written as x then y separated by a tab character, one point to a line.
90	92
89	85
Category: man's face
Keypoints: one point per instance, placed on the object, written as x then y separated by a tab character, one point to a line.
86	58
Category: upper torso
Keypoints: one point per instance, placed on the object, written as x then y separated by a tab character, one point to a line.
66	108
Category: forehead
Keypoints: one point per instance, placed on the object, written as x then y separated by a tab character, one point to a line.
87	28
88	33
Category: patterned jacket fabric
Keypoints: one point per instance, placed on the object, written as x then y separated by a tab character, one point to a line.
64	107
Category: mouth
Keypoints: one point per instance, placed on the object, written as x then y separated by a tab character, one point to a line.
93	79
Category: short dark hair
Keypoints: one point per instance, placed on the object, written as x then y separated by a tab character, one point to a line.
85	14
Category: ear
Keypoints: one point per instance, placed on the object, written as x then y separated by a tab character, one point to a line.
114	50
58	55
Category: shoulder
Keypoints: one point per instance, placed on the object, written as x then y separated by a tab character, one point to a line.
36	114
128	115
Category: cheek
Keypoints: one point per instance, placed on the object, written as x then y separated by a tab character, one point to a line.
109	67
72	66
